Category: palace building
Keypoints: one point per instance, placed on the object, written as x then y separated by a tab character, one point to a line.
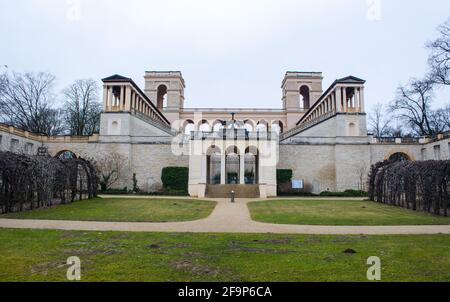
321	135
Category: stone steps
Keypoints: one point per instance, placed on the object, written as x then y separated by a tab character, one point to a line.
223	191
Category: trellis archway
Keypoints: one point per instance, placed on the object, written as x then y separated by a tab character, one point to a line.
399	157
66	154
29	182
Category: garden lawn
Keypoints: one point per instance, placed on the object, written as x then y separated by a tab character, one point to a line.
124	210
338	212
41	255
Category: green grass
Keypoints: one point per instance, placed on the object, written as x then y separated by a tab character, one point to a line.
129	210
338	212
40	255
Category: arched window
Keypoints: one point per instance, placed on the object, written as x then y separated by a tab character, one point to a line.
204	126
162	97
115	128
352	130
262	127
189	127
232	166
304	97
66	154
218	126
399	156
277	127
248	126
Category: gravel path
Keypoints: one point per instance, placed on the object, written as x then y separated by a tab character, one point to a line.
226	218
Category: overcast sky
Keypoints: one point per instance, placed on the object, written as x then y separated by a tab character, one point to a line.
232	53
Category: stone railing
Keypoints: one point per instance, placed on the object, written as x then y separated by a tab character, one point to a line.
398	140
42	138
21	133
440	136
232	134
236	110
411	140
307	125
153	122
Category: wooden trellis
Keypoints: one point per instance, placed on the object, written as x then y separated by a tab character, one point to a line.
28	182
420	186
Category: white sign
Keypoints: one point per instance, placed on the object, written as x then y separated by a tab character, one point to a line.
297	184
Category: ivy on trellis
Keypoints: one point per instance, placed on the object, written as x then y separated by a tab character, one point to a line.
29	182
420	186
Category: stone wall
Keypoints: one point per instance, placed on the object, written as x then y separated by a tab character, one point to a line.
148	160
17	143
334	163
315	164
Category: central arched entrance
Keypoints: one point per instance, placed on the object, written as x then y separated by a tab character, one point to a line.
251	166
232	165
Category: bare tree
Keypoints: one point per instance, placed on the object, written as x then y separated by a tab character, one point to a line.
53	122
440	119
26	102
412	105
439	59
110	169
362	175
379	121
82	108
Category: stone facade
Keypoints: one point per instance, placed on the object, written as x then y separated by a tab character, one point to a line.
321	136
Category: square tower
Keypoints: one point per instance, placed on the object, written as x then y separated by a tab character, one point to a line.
165	89
300	91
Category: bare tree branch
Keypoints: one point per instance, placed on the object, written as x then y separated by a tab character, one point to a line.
110	169
26	102
439	59
82	109
380	121
412	105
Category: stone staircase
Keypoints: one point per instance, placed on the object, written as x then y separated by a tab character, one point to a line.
223	191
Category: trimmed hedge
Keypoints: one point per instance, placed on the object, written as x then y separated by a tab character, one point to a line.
347	193
284	176
175	178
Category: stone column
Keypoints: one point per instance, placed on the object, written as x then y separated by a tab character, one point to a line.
344	91
338	99
223	179
127	98
105	98
122	97
110	98
242	169
361	99
357	99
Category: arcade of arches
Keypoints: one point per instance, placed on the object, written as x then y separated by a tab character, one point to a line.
240	163
262	126
232	167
